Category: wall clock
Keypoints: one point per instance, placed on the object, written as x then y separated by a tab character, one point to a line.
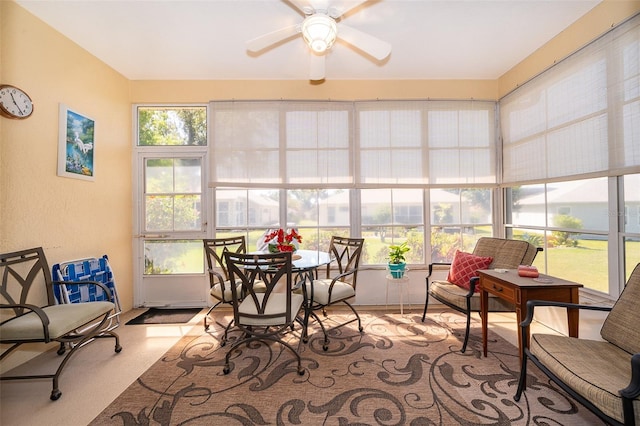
14	102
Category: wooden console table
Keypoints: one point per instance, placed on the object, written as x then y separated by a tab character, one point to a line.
518	290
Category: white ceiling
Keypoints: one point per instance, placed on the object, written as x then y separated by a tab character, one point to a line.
205	39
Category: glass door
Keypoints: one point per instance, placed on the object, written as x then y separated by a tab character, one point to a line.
170	163
171	224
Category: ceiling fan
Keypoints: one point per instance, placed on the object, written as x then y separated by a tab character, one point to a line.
320	29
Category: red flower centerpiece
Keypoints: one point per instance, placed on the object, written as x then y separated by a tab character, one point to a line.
280	241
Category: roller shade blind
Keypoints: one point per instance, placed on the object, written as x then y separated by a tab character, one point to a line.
281	142
580	117
426	142
347	144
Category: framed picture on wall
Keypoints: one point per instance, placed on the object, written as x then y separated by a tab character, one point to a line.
76	145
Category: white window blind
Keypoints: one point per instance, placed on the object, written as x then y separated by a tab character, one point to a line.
580	117
281	142
317	145
426	142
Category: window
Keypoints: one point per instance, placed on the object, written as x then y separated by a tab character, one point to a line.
327	161
577	120
166	257
392	216
173	194
171	153
631	234
571	221
248	212
458	218
184	126
318	214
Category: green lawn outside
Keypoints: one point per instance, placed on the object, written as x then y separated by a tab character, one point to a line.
586	264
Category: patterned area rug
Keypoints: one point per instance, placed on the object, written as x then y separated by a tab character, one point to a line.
399	371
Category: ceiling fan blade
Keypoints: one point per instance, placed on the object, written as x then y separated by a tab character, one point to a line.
304	6
340	8
262	42
316	66
366	42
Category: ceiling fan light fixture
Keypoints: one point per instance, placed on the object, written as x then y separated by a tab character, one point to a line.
319	32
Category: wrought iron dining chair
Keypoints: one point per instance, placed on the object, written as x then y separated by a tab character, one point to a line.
266	314
341	287
219	283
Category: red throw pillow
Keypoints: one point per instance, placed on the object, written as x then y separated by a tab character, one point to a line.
464	267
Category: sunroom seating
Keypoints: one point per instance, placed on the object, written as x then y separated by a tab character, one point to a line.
489	253
29	313
604	376
339	287
265	312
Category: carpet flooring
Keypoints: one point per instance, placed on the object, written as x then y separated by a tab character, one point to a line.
399	371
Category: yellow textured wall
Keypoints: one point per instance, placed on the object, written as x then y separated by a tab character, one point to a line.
69	218
203	91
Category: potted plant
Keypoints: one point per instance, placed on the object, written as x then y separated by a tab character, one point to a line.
397	261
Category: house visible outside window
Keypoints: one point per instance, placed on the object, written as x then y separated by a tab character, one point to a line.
572	235
564	210
258	211
331	215
222	213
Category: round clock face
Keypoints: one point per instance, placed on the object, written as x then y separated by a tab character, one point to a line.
14	103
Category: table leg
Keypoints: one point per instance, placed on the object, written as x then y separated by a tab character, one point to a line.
484	305
401	305
308	301
573	315
386	300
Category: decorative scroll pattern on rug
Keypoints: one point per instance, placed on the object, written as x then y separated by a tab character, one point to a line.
399	371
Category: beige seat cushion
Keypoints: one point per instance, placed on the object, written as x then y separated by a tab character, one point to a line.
341	291
62	319
277	304
456	296
216	290
596	370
